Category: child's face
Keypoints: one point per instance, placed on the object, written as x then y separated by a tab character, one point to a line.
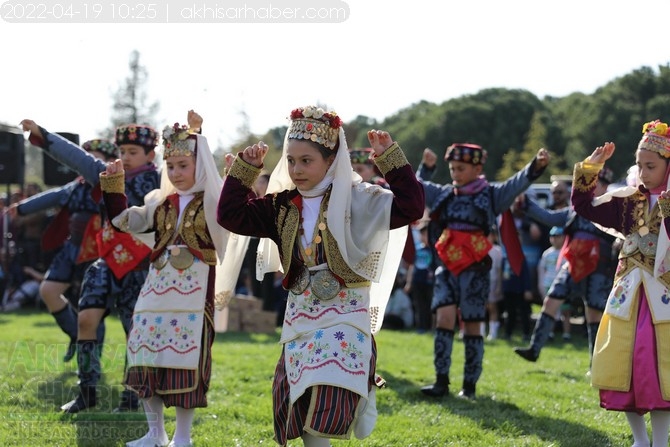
366	171
133	156
181	171
463	173
651	168
557	241
306	166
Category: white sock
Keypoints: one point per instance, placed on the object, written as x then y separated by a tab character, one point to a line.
182	434
313	441
153	408
639	429
660	423
493	329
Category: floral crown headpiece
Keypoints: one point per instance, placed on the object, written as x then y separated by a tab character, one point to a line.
315	124
178	141
467	153
656	138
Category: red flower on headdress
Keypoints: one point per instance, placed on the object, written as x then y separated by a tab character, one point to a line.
329	118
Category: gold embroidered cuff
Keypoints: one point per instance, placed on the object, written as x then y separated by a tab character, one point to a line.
392	158
585	175
114	183
664	207
244	172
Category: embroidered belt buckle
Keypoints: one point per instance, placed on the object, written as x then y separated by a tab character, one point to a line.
161	261
301	281
648	244
631	243
179	257
325	284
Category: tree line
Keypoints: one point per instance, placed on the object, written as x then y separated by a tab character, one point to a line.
512	124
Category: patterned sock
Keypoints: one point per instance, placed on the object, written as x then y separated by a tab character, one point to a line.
88	361
474	356
444	344
66	319
543	328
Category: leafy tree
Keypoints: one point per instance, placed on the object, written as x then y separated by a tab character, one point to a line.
131	103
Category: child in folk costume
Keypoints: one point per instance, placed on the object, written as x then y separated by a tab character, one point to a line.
587	274
631	357
338	241
73	234
462	214
169	346
112	281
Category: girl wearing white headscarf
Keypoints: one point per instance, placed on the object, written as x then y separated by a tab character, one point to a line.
338	241
169	345
631	356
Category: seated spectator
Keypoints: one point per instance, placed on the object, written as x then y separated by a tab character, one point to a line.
398	314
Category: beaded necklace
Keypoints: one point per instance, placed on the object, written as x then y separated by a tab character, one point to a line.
309	248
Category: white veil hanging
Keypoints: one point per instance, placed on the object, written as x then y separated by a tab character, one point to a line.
358	217
230	247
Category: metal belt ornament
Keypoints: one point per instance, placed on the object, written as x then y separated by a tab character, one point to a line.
325	284
646	244
178	257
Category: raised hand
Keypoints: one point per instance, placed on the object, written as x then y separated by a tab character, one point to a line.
194	120
602	153
542	158
379	141
255	154
32	127
114	167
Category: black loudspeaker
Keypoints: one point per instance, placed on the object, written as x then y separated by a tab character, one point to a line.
56	173
12	157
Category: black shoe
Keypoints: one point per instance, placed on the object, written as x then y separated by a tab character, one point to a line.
128	402
526	353
435	390
467	394
85	399
468	390
71	351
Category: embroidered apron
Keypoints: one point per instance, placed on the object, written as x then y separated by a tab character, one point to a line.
169	314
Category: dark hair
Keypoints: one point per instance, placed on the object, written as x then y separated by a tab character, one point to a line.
324	151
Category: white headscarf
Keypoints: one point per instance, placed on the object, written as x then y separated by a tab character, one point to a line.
230	247
359	221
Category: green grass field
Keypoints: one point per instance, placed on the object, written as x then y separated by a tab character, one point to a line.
548	403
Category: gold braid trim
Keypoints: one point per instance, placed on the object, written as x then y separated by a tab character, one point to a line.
244	172
115	183
193	229
392	158
289	221
337	264
586	175
664	207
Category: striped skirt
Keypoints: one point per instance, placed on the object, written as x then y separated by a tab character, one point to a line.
323	410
